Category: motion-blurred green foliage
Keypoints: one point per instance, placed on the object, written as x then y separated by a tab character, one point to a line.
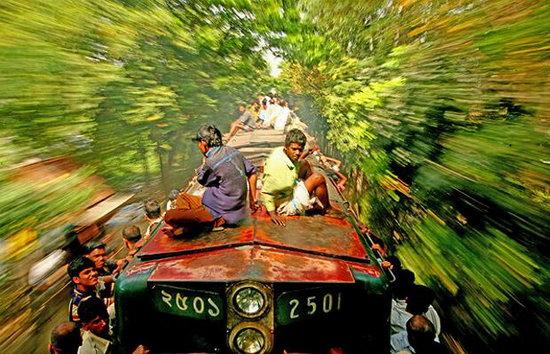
121	84
440	107
118	86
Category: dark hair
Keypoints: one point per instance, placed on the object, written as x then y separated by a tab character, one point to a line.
404	281
65	338
78	265
210	134
173	194
295	136
420	331
419	299
395	262
131	233
91	307
92	245
242	104
152	208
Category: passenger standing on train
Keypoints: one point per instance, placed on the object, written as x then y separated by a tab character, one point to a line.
95	327
227	176
401	288
419	300
131	236
96	251
419	338
153	215
289	185
96	336
85	281
65	339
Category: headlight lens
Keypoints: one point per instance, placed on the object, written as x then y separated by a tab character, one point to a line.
250	341
249	301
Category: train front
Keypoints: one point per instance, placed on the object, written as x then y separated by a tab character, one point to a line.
258	288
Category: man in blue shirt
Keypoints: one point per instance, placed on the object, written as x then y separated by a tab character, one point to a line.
227	176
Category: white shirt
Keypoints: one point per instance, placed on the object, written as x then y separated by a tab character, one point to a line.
262	115
281	118
92	344
152	226
399	343
400	316
272	113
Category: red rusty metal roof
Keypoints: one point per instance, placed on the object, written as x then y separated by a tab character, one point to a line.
254	262
311	234
318	234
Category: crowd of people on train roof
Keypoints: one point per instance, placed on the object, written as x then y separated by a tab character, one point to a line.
291	184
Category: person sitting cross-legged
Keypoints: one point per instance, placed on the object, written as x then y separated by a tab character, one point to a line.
227	176
289	185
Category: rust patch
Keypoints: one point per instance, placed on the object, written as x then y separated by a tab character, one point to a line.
162	244
337	221
313	233
139	268
371	270
253	263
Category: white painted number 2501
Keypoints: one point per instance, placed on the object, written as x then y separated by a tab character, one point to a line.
325	303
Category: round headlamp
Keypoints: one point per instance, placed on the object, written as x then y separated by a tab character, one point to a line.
250	341
250	301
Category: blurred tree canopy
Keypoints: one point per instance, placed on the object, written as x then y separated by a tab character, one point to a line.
121	85
441	108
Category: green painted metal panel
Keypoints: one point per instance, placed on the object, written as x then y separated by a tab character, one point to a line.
199	304
308	304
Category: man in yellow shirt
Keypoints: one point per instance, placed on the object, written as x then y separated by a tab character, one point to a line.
289	185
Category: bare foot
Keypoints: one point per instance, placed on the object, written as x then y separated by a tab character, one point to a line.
334	213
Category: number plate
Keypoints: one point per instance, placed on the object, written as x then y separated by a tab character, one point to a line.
307	304
204	305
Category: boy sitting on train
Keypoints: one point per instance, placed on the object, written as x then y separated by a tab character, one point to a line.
331	165
289	185
227	176
245	121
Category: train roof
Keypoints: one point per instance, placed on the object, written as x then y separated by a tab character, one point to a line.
314	248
